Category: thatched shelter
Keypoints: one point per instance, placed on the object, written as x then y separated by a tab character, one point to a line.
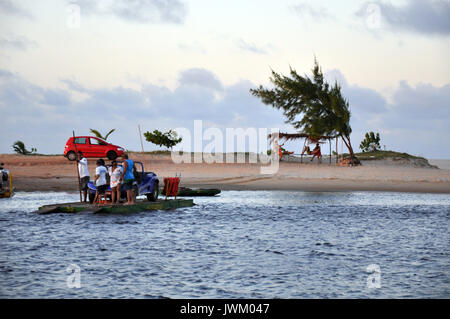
316	139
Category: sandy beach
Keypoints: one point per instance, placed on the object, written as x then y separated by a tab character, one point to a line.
56	173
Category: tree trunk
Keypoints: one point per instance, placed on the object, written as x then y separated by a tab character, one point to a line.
346	140
353	159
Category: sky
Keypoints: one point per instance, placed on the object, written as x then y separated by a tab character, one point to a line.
74	65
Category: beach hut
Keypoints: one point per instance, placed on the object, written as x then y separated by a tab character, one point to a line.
316	139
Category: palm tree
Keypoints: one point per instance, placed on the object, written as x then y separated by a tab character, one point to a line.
97	133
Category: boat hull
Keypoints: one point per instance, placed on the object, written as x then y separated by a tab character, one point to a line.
189	192
7	193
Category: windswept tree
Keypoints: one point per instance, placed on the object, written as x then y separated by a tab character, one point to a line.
311	105
97	133
168	139
19	148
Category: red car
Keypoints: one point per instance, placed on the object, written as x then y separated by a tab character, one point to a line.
91	146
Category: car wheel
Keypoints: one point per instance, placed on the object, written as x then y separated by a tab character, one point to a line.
71	156
111	155
153	196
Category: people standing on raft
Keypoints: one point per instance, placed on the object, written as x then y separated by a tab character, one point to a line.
128	178
84	174
100	181
115	173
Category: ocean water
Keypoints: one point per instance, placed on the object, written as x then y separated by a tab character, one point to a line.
242	244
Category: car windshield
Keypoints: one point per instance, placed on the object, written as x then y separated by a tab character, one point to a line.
95	141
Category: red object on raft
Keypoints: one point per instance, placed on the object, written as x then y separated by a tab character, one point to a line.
171	185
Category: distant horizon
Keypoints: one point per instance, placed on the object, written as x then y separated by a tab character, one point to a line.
154	151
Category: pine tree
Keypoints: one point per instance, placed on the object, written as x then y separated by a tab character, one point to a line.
371	142
311	105
168	139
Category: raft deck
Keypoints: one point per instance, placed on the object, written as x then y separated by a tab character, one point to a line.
139	206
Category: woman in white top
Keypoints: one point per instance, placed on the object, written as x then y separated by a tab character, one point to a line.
115	172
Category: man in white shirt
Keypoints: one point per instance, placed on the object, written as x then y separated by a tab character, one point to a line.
84	174
100	180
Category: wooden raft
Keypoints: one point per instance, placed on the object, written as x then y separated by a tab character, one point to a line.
139	206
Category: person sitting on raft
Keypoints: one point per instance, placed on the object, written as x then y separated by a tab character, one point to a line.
128	178
100	181
115	173
316	152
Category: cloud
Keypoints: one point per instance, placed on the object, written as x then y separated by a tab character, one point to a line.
140	11
417	16
365	100
426	106
194	47
8	7
318	14
17	42
200	77
251	47
414	120
51	114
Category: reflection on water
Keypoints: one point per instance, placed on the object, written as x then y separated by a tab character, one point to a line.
265	244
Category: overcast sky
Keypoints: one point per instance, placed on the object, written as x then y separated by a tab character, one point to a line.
165	63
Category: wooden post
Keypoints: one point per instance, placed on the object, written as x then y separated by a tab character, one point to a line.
337	156
167	189
140	136
301	156
76	162
329	142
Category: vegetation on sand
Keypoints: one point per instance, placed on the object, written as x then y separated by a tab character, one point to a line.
371	142
375	155
168	139
19	148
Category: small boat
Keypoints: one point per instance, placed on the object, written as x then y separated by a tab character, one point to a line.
7	193
107	208
189	192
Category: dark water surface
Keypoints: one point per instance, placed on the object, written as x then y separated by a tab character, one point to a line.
240	245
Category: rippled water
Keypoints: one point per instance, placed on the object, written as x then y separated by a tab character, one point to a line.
239	245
